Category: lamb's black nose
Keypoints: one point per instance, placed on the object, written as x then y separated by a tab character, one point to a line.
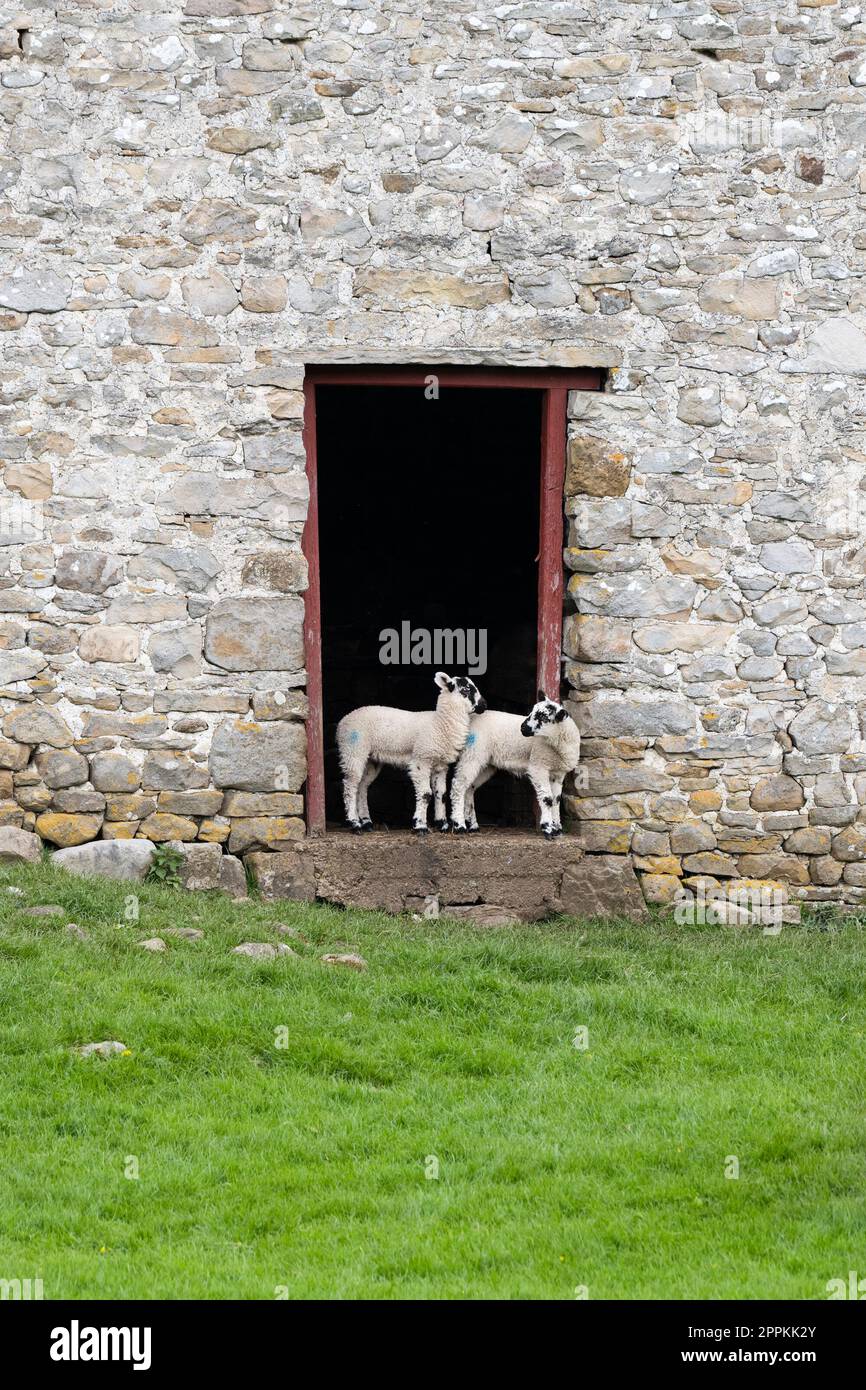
525	729
481	707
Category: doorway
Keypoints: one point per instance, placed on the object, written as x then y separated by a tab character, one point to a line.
434	542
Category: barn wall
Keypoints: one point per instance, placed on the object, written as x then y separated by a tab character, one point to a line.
198	198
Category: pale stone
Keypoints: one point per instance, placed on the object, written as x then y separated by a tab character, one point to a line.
167	771
837	347
633	596
602	885
37	724
787	557
109	1048
113	771
614	717
178	650
213	294
262	950
700	405
252	757
510	135
596	639
821	728
88	571
776	793
747	298
120	859
255	634
202	866
109	643
32	290
20	666
216	219
647	183
397	289
350	959
265	295
684	637
60	768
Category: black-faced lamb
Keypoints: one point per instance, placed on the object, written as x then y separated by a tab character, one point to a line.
545	747
422	742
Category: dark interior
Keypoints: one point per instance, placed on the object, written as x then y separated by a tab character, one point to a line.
428	513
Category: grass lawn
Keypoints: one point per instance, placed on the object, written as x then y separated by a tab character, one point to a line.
308	1167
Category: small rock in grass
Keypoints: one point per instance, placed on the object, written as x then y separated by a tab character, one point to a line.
262	950
16	892
185	933
153	943
285	930
48	910
353	961
101	1049
78	932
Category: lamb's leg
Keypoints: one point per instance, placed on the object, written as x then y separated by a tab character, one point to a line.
484	776
420	775
541	786
353	772
465	774
556	781
371	772
440	779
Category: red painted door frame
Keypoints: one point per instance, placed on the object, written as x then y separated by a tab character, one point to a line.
555	384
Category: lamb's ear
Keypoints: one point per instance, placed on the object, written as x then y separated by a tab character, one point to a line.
560	715
541	697
443	681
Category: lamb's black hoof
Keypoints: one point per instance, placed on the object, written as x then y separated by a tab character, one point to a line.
366	825
421	830
474	830
441	826
549	834
459	830
356	829
556	832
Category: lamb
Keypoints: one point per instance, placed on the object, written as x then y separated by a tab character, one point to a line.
423	742
545	747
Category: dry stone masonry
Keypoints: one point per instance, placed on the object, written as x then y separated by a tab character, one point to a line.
198	198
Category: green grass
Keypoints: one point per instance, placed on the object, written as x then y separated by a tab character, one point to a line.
304	1166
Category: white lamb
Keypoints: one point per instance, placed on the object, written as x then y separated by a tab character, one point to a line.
423	742
545	747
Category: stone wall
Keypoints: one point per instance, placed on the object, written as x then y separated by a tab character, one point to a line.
197	199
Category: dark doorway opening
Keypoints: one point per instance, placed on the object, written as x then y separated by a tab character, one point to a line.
428	513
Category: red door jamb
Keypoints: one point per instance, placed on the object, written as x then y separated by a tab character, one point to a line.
554	425
555	383
315	802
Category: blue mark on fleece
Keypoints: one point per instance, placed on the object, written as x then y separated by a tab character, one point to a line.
470	739
354	736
